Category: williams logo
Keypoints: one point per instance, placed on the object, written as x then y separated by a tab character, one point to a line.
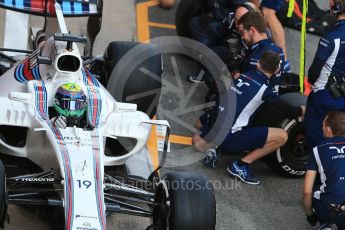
88	217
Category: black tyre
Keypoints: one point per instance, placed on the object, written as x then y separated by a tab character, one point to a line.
138	85
192	203
186	10
291	159
3	203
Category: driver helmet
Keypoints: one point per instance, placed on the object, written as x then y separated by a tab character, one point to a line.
70	100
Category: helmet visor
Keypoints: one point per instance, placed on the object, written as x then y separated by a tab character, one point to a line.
71	104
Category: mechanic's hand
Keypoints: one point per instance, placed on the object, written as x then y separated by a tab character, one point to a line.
301	117
60	122
236	75
312	219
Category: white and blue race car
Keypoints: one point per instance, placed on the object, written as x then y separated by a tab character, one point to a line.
101	166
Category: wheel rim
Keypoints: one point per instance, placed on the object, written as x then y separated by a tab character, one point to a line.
295	150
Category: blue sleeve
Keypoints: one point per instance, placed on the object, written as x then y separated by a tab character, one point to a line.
272	4
312	165
324	51
270	94
325	48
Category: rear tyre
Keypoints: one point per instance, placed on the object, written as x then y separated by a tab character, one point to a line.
291	159
186	10
139	88
192	202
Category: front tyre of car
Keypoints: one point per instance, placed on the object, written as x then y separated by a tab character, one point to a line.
138	78
184	200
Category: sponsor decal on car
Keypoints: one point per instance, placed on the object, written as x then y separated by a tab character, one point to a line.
86	226
88	217
33	179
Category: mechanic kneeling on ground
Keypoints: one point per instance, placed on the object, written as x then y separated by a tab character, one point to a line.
212	29
269	9
70	106
324	185
252	90
230	48
327	77
253	31
252	28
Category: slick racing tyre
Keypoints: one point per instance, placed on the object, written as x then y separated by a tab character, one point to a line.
291	159
3	203
138	85
186	10
184	201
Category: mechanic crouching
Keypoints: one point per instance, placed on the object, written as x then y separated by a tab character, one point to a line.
324	185
269	9
253	30
327	77
228	47
252	90
212	29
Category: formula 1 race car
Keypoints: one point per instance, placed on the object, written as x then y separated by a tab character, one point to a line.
291	159
66	142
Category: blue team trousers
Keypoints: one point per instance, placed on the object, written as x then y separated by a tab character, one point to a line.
318	105
323	212
209	33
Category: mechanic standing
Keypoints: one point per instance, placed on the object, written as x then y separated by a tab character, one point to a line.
324	185
252	90
327	77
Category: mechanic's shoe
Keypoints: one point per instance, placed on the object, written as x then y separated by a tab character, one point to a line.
243	173
325	227
195	78
211	158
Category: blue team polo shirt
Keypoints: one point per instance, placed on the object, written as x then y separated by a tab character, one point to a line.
328	159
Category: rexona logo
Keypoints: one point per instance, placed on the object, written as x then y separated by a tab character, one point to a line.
32	179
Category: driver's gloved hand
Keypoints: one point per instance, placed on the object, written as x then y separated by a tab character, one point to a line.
312	219
60	122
